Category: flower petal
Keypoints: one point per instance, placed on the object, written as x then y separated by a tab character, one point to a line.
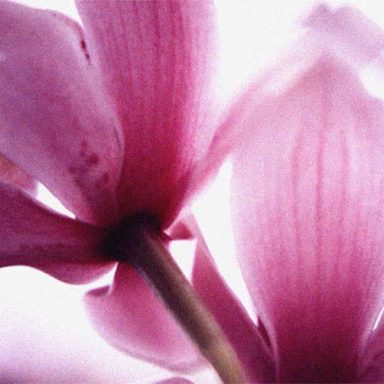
156	60
10	173
228	136
241	332
131	317
308	206
347	32
175	380
55	122
372	365
32	235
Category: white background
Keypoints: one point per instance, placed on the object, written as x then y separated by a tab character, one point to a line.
44	333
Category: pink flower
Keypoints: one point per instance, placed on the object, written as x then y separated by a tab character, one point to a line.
308	194
116	120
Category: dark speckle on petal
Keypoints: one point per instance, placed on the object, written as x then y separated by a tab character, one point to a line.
92	160
83	46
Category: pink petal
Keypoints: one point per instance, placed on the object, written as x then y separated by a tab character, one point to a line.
228	136
234	124
132	318
175	380
241	332
156	59
55	121
10	173
181	229
34	236
347	32
372	365
308	198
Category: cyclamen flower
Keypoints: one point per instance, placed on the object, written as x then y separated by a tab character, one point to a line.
117	120
308	193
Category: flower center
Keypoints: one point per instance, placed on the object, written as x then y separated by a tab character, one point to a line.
123	236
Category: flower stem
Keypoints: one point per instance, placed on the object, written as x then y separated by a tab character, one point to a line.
157	266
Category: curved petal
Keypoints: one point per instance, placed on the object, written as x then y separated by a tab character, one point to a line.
55	122
10	173
233	127
245	337
308	192
156	58
34	236
175	380
132	318
372	361
229	134
347	32
241	332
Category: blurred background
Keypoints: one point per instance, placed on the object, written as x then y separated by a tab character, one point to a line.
44	333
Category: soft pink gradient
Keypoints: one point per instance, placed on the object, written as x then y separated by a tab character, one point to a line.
10	173
35	236
138	132
245	337
56	122
132	318
308	193
155	60
114	119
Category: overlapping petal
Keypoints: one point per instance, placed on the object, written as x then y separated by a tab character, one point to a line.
308	207
132	318
10	173
240	330
55	121
347	32
175	380
371	367
32	235
245	337
156	60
